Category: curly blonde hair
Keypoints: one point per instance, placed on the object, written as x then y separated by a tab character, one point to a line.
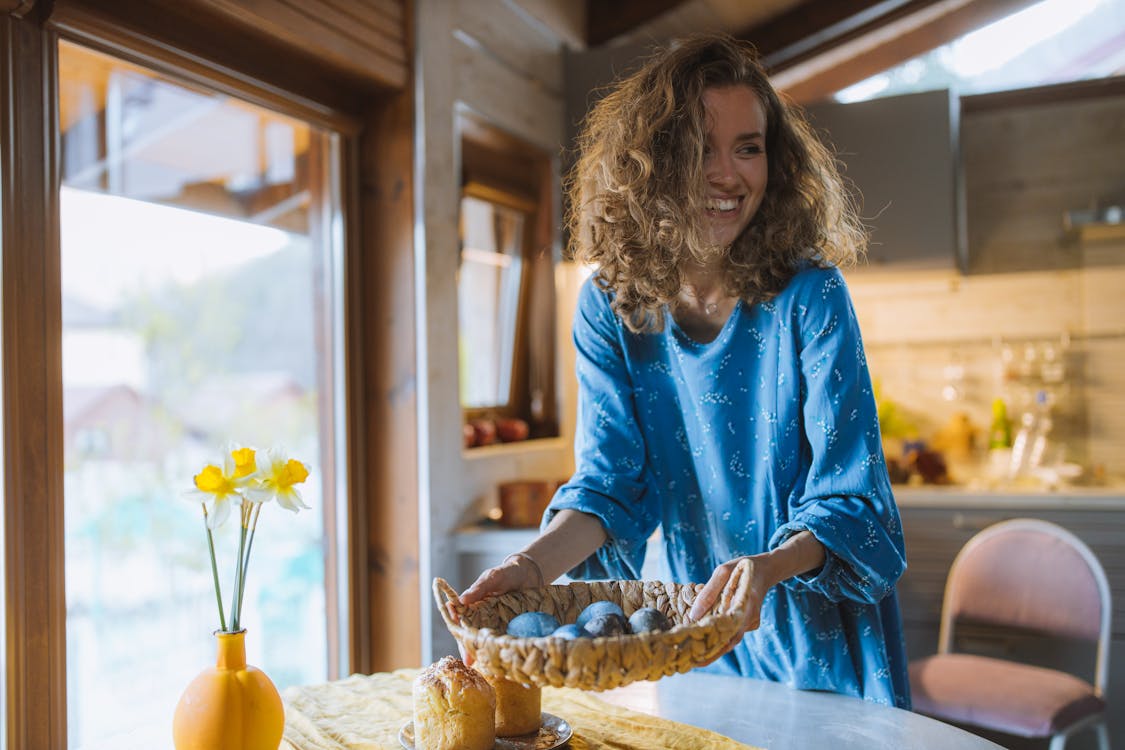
636	192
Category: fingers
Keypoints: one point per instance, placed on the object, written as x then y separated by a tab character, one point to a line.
751	623
501	579
711	592
479	589
465	655
493	582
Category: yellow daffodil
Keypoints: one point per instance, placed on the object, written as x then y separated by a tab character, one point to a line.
223	487
277	478
244	482
245	462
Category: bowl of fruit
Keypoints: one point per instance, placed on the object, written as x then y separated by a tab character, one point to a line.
594	635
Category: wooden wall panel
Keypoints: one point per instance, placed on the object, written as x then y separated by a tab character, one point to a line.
366	41
481	63
491	89
567	19
506	34
390	386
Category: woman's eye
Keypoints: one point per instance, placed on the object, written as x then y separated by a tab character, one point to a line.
750	148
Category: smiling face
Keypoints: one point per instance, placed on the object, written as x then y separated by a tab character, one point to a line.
734	161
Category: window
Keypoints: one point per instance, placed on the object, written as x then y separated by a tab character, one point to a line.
493	239
1054	41
505	287
201	304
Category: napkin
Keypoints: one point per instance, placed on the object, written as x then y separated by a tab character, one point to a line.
366	712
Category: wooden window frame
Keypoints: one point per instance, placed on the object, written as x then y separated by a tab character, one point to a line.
516	401
503	169
376	127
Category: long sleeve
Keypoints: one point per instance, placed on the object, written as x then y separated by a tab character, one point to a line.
846	499
609	481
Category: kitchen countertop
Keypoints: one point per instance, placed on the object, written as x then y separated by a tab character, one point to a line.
1065	498
483	537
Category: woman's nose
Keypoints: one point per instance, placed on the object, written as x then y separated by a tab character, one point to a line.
718	168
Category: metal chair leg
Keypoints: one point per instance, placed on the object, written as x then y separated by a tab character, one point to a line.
1102	729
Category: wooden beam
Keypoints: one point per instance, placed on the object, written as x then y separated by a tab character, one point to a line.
606	19
914	29
814	23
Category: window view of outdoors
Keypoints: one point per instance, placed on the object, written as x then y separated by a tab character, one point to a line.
488	299
197	258
1053	41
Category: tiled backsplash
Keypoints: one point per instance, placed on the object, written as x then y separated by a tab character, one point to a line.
943	344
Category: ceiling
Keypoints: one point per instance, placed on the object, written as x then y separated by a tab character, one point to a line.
811	47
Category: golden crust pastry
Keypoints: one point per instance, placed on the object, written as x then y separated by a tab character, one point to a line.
518	707
454	708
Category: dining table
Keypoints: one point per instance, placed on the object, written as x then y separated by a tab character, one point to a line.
772	715
696	710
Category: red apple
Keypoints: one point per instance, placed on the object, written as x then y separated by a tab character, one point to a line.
510	429
484	430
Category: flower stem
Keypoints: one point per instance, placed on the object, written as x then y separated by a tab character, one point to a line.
236	598
249	546
214	571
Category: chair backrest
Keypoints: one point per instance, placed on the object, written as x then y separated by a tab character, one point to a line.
1032	574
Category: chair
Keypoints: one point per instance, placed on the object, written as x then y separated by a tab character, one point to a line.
1038	577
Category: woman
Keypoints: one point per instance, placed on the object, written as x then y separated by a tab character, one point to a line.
723	390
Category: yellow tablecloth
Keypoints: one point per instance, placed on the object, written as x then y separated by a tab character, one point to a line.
366	712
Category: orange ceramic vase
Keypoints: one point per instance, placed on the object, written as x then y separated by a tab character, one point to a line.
230	706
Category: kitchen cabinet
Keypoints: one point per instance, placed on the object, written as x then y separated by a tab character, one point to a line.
936	528
900	155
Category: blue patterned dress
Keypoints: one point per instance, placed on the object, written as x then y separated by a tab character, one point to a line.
733	446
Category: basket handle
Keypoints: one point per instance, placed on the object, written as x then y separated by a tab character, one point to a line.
447	602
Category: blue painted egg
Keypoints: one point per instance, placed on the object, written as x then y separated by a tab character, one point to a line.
648	619
604	626
570	632
598	608
532	625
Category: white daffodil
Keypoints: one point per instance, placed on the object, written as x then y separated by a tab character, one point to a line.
223	486
277	478
243	482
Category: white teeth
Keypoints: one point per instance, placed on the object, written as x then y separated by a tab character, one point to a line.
722	204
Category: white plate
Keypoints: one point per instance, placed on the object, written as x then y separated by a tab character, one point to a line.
553	732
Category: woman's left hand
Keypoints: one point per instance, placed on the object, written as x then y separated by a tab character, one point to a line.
800	553
712	592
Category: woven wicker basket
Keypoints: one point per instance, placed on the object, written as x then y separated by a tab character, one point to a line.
595	663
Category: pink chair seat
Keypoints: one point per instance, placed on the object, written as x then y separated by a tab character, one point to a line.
1015	698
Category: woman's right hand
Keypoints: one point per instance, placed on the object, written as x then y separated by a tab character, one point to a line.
515	572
